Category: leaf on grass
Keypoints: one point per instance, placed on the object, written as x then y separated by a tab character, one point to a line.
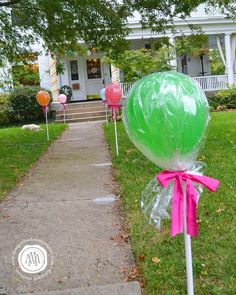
156	260
141	257
219	210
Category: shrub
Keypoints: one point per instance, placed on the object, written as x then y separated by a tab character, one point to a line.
135	64
4	115
223	100
67	90
23	105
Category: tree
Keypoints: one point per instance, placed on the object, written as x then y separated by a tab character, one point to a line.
160	14
217	66
59	24
135	64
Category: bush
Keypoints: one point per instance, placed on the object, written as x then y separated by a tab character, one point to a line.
23	105
136	64
67	90
4	115
223	100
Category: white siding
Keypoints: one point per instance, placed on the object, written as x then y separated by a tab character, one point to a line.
43	61
64	78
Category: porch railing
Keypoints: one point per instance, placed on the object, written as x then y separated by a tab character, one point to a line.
212	83
207	83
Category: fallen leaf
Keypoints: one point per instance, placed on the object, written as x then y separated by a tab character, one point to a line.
141	257
6	215
121	237
156	260
131	273
219	210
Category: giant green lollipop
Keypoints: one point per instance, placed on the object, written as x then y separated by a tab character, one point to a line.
166	116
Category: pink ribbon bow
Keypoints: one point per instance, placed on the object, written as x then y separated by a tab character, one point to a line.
63	107
114	108
165	177
44	108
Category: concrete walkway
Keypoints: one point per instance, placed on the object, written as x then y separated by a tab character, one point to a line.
67	202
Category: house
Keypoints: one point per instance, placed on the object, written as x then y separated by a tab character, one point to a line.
88	75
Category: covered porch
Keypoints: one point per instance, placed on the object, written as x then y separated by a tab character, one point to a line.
87	75
208	83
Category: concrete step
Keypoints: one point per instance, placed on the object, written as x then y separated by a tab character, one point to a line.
81	115
82	110
129	288
82	105
79	119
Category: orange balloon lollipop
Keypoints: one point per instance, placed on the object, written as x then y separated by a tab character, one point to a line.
43	98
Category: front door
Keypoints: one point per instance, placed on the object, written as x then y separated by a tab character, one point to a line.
77	79
96	76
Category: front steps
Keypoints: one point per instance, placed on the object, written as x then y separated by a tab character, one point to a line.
82	112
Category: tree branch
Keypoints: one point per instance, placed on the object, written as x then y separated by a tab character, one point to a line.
10	3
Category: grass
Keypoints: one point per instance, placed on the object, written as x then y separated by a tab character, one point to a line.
214	251
20	149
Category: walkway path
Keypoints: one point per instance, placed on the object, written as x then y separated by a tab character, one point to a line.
67	202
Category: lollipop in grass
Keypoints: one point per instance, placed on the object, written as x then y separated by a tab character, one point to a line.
43	99
113	96
166	116
62	98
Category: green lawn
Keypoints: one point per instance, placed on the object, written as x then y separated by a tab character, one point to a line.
214	251
19	149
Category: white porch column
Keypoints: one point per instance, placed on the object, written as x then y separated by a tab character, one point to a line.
173	61
229	58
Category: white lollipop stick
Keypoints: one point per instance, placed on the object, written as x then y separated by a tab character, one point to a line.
188	250
106	114
64	111
117	148
46	110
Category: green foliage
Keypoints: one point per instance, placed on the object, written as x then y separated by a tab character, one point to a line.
195	45
20	149
135	64
223	100
60	24
23	105
67	90
100	23
214	249
27	74
159	15
4	115
217	66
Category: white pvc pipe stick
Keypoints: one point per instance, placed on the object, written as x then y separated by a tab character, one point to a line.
117	148
64	116
47	123
106	115
188	250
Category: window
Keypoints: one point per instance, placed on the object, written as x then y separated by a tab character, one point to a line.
94	68
74	70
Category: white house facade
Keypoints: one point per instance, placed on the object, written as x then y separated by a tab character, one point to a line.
88	75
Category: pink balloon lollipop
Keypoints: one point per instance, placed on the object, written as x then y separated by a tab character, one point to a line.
62	98
113	94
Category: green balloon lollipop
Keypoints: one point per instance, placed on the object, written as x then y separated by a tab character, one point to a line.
166	115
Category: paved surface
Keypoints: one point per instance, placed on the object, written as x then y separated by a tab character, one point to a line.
68	202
